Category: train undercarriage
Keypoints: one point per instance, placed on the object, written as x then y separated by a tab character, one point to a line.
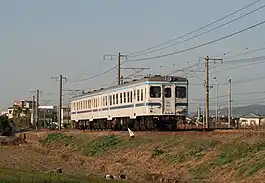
168	123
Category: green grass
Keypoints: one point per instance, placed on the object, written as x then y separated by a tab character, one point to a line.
192	149
99	146
26	176
243	156
157	152
86	146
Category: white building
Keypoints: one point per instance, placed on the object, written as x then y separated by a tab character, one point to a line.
251	119
4	113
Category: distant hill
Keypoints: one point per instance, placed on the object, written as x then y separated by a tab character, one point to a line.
239	111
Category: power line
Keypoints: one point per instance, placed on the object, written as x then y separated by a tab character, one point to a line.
200	45
237	82
254	61
245	53
97	75
234	94
208	31
209	24
226	62
173	53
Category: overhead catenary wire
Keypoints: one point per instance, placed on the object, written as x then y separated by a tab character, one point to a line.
222	18
208	31
189	33
173	53
234	94
200	45
225	62
239	81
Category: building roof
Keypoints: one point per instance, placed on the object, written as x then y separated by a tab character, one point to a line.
250	115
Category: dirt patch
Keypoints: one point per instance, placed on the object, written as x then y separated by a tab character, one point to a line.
12	141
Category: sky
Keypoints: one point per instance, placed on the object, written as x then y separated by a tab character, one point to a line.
43	39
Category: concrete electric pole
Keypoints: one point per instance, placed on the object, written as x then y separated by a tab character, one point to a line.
230	103
61	78
37	108
118	65
33	110
36	116
207	59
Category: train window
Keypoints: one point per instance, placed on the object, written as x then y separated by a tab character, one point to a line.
121	98
138	95
181	92
142	94
117	99
168	92
155	91
114	101
134	95
128	97
145	93
110	100
124	97
131	95
106	100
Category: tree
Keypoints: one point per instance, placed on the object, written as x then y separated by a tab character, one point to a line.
5	127
21	117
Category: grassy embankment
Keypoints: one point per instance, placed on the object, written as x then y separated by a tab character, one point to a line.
223	157
26	176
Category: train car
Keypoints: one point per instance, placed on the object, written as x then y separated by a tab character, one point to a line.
150	103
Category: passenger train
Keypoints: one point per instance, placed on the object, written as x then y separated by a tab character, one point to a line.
150	103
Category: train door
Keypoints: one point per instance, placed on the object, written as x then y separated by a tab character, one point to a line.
133	100
168	99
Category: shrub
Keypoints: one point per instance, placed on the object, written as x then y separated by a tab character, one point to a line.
5	127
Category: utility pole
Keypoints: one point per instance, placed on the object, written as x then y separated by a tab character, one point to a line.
207	59
119	68
216	112
37	108
33	110
230	103
36	116
61	78
68	112
203	108
118	65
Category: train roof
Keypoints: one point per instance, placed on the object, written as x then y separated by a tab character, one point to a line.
135	81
